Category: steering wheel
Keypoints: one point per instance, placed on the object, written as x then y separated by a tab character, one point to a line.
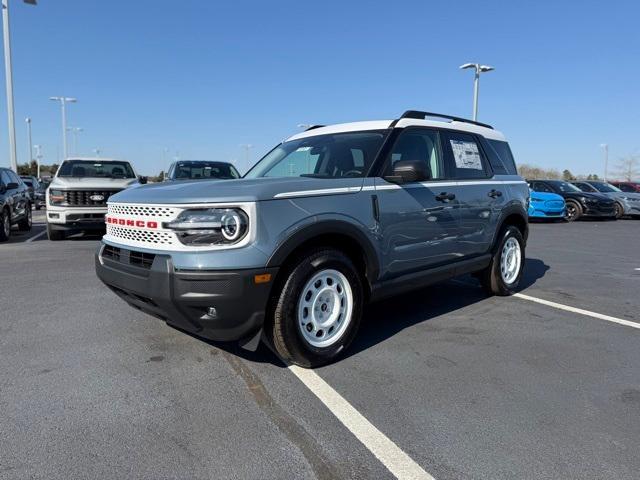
352	173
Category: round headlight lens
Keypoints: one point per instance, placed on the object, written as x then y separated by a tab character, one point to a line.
231	226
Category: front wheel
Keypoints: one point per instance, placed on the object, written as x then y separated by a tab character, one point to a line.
318	310
26	223
503	274
619	210
5	225
54	235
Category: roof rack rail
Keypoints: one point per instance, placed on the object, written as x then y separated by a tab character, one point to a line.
417	114
313	127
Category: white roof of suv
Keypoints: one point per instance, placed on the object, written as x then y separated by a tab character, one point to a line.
486	132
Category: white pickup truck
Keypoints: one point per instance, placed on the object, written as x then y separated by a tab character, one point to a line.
77	196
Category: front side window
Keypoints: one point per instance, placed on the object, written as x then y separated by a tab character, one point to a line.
95	169
604	187
4	176
466	157
421	145
565	187
338	155
540	187
585	187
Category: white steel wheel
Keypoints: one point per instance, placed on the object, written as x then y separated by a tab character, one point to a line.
510	260
325	308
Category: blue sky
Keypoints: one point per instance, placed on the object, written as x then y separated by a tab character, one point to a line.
199	78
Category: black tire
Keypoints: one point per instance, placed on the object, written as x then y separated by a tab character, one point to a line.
491	277
283	329
25	224
619	209
574	211
54	235
38	207
5	225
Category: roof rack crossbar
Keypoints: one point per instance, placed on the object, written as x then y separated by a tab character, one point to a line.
417	114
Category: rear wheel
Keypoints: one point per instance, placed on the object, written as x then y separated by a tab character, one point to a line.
26	223
54	235
5	225
318	310
574	211
503	274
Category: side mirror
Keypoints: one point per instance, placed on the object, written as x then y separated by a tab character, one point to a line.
407	171
12	186
3	188
142	180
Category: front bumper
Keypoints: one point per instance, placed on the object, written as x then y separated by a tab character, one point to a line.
65	218
596	210
183	298
542	213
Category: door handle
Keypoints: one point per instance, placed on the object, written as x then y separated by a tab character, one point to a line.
495	193
444	196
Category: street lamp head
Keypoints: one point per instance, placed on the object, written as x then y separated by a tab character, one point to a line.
469	65
486	68
28	120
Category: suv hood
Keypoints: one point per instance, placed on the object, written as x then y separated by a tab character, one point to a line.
231	191
66	183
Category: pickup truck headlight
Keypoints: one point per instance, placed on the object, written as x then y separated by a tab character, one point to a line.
210	226
56	197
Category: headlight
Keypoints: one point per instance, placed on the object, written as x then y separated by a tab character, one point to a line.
56	197
211	226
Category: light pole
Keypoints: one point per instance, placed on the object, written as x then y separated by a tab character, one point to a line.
247	147
63	102
38	158
9	82
476	82
28	120
605	147
75	131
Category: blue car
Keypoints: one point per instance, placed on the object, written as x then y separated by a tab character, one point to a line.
546	205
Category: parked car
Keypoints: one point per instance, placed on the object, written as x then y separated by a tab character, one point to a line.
329	219
626	203
578	203
36	191
546	205
201	170
15	204
78	194
631	187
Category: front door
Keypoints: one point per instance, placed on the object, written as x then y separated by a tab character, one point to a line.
418	226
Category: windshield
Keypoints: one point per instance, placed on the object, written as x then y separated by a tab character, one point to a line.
605	187
565	187
337	155
95	169
204	170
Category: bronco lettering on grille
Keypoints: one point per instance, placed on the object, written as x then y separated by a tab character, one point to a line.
127	222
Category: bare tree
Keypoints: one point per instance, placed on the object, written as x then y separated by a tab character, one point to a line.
629	167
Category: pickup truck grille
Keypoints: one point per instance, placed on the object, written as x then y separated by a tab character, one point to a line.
83	198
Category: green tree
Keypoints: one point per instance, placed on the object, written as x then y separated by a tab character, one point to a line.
567	175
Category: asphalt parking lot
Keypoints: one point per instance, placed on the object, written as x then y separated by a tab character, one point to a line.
466	386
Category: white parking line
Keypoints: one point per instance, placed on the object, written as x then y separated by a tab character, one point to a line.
397	462
588	313
35	236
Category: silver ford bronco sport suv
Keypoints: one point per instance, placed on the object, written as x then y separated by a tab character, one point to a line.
332	218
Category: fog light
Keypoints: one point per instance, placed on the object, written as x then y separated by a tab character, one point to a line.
54	215
212	312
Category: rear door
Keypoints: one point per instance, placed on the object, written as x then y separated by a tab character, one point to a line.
480	197
418	228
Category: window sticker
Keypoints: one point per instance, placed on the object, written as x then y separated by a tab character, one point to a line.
466	154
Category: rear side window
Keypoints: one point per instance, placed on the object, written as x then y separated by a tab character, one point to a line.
540	187
465	158
501	158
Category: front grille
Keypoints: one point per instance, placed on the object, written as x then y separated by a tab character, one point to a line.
554	204
128	257
148	237
142	210
82	198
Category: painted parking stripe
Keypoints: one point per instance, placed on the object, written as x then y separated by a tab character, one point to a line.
397	462
588	313
35	236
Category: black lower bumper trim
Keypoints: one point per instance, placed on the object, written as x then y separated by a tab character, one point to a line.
183	298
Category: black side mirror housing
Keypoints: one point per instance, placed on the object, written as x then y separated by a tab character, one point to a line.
142	180
3	188
407	171
12	186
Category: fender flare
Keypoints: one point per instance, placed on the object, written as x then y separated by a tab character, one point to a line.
512	209
328	227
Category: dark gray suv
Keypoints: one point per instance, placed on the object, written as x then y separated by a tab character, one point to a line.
328	220
15	204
